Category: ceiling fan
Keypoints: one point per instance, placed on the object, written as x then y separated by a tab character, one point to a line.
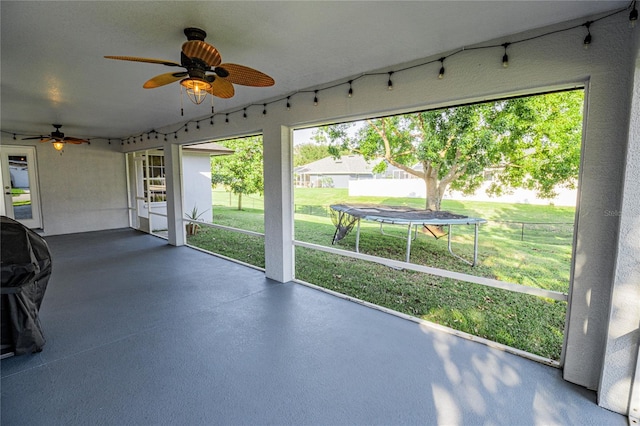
204	71
58	138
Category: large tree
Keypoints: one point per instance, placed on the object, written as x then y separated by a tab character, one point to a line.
529	142
240	172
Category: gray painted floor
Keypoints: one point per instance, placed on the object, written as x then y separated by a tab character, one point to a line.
140	332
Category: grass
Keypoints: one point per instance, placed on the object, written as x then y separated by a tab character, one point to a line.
540	257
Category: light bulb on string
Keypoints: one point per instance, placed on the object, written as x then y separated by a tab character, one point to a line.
264	111
350	93
244	113
390	83
211	121
315	98
505	57
441	73
587	39
226	118
288	103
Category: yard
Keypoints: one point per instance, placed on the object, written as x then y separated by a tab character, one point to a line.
525	244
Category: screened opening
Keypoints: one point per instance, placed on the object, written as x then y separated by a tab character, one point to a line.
229	220
509	166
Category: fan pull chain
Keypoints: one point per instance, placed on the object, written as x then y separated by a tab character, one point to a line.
181	104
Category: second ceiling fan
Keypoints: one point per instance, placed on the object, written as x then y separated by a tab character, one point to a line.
204	71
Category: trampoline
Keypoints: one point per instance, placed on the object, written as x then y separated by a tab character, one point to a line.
346	216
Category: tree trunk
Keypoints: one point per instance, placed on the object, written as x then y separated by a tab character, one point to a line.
433	194
240	201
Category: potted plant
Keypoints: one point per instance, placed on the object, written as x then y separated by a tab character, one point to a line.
192	227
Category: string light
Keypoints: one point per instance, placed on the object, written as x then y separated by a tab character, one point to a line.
633	15
441	73
244	113
505	57
633	18
175	135
587	39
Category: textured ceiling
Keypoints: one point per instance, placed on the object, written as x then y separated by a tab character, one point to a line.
53	70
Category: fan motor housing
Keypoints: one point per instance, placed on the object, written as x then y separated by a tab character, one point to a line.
195	34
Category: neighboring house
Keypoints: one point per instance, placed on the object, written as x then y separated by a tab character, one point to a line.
331	172
18	173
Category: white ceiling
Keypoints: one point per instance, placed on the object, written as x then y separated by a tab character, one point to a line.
53	70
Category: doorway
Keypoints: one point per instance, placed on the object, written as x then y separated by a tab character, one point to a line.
20	200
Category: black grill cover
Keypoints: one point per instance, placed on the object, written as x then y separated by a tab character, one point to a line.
25	268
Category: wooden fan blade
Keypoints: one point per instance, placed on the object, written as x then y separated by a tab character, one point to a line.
202	50
239	74
46	139
151	61
33	137
222	88
77	141
162	79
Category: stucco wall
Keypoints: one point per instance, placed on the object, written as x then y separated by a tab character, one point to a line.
196	172
623	333
82	190
540	64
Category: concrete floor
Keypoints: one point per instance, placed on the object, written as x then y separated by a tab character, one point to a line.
140	332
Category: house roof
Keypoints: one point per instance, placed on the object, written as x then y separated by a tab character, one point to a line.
211	148
53	70
345	165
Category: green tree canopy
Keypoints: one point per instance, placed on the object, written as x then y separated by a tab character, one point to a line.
306	153
240	172
529	142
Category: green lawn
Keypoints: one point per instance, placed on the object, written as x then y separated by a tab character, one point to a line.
540	257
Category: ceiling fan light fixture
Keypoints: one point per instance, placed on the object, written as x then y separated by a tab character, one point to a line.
196	89
58	145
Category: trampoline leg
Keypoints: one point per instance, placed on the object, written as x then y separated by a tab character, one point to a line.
475	247
408	242
358	237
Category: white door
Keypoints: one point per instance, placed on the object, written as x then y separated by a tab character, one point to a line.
20	200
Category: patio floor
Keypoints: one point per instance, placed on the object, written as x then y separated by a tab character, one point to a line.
140	332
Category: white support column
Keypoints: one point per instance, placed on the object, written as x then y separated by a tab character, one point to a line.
173	181
619	379
278	204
